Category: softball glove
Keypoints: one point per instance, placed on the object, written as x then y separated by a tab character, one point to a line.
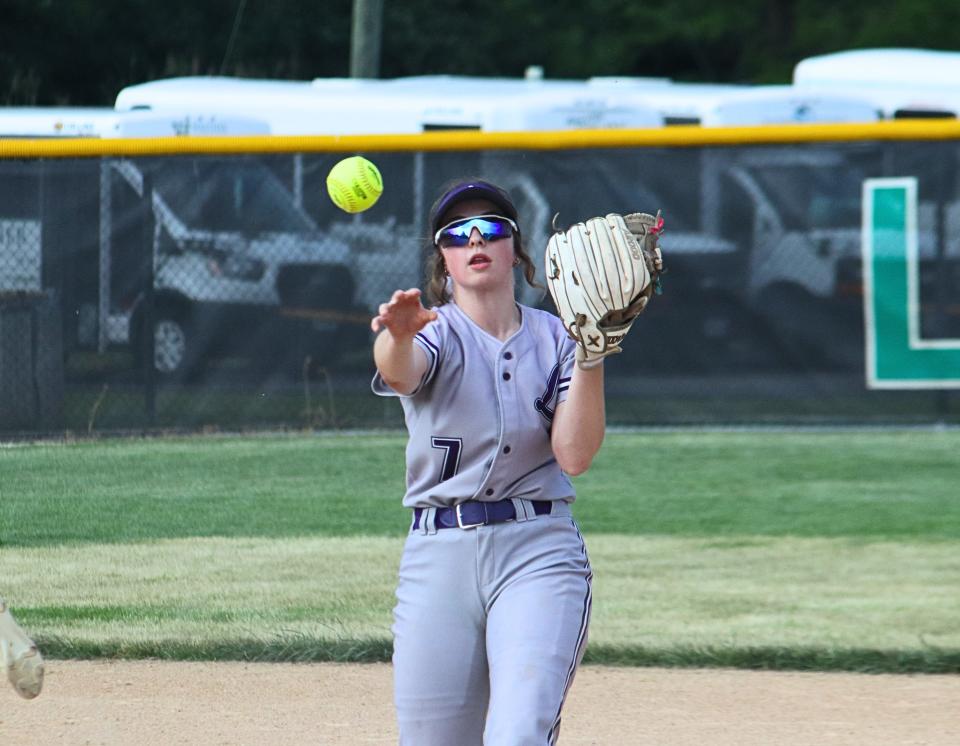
601	275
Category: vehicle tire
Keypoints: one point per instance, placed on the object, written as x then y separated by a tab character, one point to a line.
174	347
170	344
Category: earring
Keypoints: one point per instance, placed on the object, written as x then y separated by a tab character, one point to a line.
516	261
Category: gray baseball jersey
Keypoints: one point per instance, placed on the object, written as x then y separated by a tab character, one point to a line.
479	421
491	621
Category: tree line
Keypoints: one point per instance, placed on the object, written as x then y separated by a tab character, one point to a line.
82	52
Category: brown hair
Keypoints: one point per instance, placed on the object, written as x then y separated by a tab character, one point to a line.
436	269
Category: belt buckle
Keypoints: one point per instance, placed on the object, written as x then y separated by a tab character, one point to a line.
460	522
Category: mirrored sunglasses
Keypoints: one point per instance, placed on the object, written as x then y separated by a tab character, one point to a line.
457	233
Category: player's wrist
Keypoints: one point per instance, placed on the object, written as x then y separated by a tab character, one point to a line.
402	338
592	360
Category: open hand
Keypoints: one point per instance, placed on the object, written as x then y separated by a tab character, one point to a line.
403	315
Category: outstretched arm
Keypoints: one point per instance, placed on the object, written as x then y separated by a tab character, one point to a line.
400	362
580	422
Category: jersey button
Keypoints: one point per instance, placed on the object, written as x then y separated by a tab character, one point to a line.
508	356
489	492
506	376
506	449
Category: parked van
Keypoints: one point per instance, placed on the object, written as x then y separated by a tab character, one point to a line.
232	250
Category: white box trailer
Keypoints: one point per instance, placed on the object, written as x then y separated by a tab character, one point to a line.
727	105
350	106
102	122
901	83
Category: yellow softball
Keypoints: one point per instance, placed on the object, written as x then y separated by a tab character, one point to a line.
354	184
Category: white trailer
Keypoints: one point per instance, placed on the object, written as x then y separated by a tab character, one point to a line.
59	122
350	106
901	83
725	105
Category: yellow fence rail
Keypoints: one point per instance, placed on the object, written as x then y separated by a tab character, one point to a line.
673	136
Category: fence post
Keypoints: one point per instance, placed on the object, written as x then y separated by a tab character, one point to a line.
149	319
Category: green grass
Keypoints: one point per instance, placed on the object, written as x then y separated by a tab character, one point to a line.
158	488
834	551
857	484
765	602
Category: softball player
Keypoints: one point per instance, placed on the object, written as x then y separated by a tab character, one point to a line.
494	593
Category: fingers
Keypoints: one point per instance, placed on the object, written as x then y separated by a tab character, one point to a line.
407	296
402	310
377	322
404	297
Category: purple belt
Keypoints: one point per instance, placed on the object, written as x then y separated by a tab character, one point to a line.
475	513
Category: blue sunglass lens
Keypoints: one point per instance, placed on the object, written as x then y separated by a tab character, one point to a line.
458	234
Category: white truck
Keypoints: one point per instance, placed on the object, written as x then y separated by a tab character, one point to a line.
230	244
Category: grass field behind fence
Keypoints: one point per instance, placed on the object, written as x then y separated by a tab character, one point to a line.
805	550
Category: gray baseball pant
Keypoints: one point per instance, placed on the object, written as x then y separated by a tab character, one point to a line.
489	628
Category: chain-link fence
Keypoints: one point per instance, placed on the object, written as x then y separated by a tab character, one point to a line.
212	291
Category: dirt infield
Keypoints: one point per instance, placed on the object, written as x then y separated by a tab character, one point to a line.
152	702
